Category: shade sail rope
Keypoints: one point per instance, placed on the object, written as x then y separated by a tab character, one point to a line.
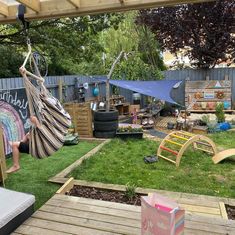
54	120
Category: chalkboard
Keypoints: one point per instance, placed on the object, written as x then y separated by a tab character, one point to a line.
14	115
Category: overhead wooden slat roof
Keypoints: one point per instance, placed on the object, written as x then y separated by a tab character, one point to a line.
45	9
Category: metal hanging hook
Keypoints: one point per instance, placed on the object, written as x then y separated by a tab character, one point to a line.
25	23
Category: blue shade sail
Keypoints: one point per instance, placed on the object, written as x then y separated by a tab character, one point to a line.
158	89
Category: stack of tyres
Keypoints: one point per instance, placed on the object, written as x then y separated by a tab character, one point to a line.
105	123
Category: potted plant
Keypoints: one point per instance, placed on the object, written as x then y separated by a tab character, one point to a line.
130	131
219	112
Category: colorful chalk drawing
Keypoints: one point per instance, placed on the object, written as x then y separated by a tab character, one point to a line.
13	116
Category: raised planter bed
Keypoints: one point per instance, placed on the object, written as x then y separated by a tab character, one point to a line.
126	131
116	193
126	135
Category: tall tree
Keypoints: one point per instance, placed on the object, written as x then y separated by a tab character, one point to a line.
144	63
65	42
203	31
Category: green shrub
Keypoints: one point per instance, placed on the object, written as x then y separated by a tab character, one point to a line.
129	129
211	124
130	191
219	112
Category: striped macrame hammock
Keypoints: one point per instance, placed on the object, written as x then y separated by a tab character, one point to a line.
54	120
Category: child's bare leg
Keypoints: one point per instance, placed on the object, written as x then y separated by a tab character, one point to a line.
16	157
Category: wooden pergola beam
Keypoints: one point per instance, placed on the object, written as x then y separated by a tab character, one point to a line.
48	9
31	4
4	9
75	3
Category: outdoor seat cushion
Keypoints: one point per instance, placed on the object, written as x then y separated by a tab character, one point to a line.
12	204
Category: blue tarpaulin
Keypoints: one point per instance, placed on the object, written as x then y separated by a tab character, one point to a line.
159	89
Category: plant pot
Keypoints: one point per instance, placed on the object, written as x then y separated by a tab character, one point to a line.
126	135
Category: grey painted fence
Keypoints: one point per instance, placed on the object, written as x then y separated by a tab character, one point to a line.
72	81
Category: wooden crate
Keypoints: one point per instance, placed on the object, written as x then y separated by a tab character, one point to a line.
200	129
3	174
81	118
134	107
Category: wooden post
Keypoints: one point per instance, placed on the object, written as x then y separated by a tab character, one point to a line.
60	86
226	77
108	78
3	174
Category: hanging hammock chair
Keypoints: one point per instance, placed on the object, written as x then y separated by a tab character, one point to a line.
54	120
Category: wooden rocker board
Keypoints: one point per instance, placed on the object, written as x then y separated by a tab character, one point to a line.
182	140
222	155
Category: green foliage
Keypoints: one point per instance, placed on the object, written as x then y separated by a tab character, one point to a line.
219	112
144	63
11	60
79	46
65	42
203	31
130	191
34	174
136	69
211	124
129	129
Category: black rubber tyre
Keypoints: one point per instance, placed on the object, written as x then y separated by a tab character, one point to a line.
105	134
106	125
103	115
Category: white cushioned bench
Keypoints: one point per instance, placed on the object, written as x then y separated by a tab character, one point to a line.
15	208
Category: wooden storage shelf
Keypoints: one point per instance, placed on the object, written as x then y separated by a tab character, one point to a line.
123	108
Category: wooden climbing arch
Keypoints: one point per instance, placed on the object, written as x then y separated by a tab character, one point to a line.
178	141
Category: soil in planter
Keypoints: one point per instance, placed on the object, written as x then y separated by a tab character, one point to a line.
230	211
105	195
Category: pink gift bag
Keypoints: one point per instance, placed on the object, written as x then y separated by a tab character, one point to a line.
161	216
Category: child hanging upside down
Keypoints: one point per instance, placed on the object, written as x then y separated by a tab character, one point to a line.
21	147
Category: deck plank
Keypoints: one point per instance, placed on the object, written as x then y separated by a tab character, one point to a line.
201	209
65	227
87	222
31	230
92	208
198	202
73	215
100	203
91	215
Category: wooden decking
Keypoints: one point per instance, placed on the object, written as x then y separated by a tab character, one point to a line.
74	215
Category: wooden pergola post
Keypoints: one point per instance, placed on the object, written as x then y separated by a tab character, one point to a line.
3	174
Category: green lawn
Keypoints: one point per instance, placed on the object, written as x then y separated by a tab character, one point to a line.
121	162
34	174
